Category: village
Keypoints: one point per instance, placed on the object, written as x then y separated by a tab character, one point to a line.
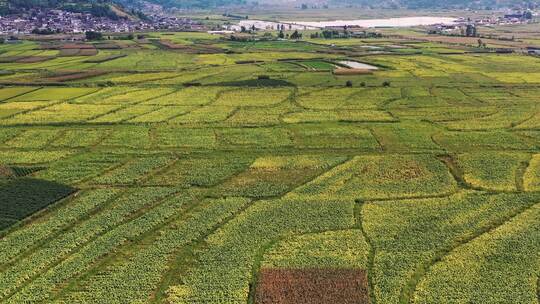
38	21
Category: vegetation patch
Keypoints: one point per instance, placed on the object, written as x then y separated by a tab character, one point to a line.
382	177
23	197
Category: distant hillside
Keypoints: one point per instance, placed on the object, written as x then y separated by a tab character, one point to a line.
187	4
100	8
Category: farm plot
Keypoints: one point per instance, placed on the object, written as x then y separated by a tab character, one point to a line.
408	236
444	114
33	138
152	260
128	96
255	117
347	249
475	140
503	118
253	97
326	99
128	137
371	98
257	175
31	233
133	171
52	94
338	116
275	175
531	179
322	286
9	109
162	114
142	77
79	138
60	114
406	136
499	171
530	123
23	197
191	96
205	171
81	167
104	94
254	137
382	177
204	115
510	251
168	137
224	268
9	133
333	136
124	114
8	93
32	157
55	253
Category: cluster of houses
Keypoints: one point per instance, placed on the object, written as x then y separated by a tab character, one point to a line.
460	27
59	21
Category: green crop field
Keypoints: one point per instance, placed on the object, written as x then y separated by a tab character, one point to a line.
185	176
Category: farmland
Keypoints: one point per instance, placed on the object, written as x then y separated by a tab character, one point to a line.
221	171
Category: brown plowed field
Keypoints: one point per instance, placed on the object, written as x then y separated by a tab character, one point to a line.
312	286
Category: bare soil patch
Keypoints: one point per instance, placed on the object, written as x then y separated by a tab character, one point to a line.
312	286
69	76
352	72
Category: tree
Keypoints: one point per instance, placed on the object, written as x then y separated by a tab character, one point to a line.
304	6
470	31
296	35
243	29
91	35
327	34
349	84
281	35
